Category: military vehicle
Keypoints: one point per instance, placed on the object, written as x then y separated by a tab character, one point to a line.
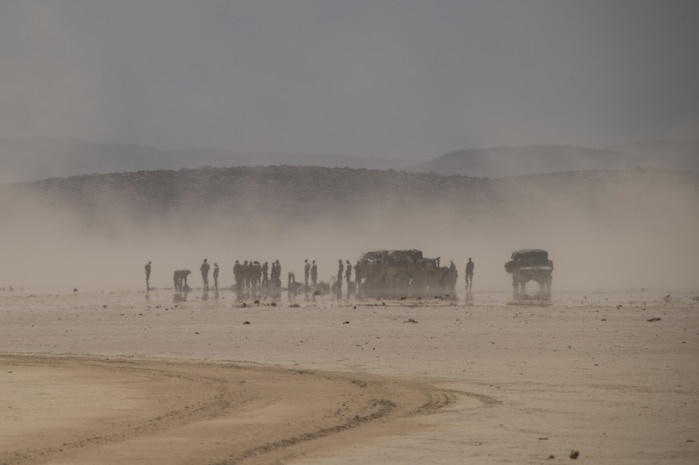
404	273
530	265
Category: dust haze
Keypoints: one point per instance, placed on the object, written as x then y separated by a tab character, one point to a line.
623	230
345	78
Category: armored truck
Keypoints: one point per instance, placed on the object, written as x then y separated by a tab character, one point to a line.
530	265
404	273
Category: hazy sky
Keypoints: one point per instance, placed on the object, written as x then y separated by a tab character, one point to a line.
364	77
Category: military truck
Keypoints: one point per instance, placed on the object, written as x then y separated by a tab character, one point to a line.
403	273
530	265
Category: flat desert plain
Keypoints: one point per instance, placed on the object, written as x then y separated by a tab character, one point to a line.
127	377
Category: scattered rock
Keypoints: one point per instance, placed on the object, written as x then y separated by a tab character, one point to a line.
104	306
653	320
550	457
257	301
618	307
410	320
345	322
246	322
274	304
667	298
574	454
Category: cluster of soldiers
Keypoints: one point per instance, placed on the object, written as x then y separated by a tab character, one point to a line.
255	279
180	276
344	272
204	268
386	276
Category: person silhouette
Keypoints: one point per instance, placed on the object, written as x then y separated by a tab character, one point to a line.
205	273
148	275
469	273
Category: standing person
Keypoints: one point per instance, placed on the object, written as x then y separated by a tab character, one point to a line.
148	276
238	276
216	276
291	285
306	272
255	277
469	273
275	276
314	274
338	283
205	273
248	273
348	276
265	274
358	276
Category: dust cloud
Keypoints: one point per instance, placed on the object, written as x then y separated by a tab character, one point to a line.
623	230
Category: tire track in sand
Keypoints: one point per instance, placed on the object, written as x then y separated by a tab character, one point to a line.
209	413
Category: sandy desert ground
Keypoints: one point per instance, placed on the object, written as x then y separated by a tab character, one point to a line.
138	378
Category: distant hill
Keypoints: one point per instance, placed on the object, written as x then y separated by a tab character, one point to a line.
517	161
293	192
41	158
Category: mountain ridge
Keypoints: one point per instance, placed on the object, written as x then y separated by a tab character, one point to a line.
532	159
40	158
30	159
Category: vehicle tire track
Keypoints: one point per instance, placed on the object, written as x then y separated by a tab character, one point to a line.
215	392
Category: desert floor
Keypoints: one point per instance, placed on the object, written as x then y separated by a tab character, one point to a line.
133	378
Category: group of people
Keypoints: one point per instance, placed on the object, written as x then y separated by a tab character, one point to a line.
180	276
204	269
344	272
253	278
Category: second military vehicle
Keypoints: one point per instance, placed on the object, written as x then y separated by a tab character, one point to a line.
530	265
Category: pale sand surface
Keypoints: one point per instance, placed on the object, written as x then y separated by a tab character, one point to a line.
125	377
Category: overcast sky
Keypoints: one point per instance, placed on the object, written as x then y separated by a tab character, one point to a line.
372	78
